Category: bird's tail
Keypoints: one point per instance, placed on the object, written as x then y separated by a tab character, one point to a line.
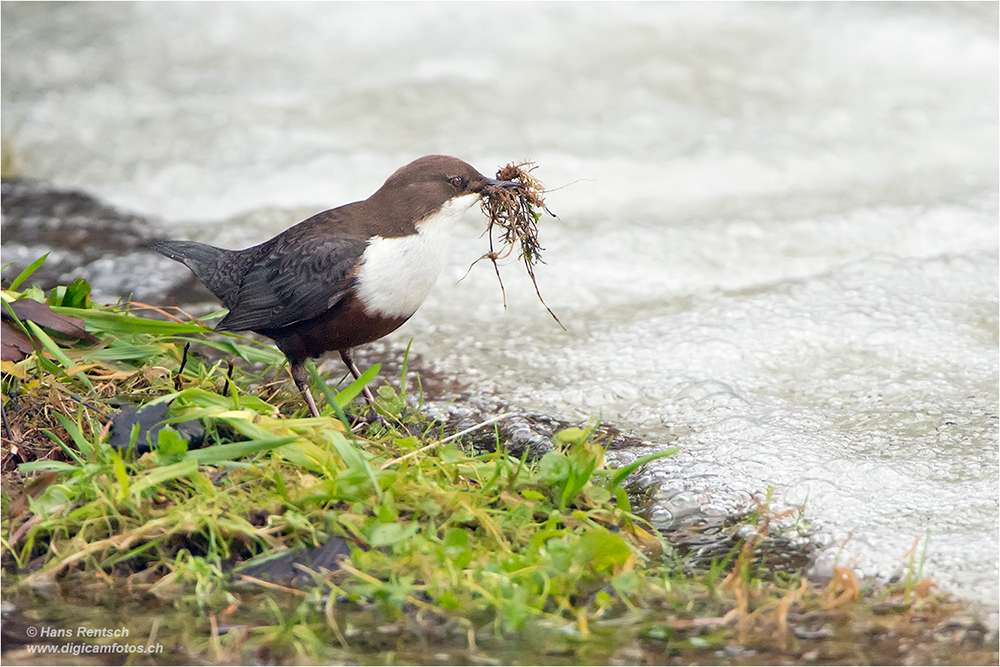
210	264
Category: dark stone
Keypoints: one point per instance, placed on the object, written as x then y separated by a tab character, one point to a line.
283	568
85	238
151	419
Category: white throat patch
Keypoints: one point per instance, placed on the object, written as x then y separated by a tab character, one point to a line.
398	273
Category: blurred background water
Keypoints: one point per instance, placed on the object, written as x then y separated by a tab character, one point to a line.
777	241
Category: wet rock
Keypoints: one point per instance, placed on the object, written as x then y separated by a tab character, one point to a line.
736	651
85	238
462	406
283	568
823	632
151	419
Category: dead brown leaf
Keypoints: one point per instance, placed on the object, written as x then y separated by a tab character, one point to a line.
42	315
14	345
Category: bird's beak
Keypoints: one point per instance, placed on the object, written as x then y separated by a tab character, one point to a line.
502	184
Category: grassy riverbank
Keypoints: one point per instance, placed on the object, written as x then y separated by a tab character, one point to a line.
251	533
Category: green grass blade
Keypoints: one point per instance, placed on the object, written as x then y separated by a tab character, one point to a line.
50	345
236	450
75	432
618	475
21	277
121	351
160	475
69	451
120	324
47	466
355	460
121	474
200	398
354	389
406	364
258	353
331	398
52	348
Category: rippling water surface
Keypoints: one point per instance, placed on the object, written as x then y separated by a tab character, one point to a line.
777	241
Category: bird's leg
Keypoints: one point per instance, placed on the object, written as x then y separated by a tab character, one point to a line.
301	377
348	356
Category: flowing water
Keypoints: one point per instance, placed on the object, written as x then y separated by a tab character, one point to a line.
777	242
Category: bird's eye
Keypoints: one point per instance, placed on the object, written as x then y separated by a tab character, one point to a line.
457	181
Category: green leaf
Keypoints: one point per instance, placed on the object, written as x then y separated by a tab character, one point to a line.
602	549
170	443
385	534
572	434
561	553
456	538
598	495
390	401
56	295
54	498
450	454
621	500
386	512
34	293
77	295
626	582
431	507
554	467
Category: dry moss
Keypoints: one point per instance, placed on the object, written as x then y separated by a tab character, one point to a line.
515	212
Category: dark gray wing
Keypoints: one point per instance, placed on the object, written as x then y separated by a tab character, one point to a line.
288	282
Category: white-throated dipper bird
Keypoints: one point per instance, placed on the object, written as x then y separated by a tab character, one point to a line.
343	277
